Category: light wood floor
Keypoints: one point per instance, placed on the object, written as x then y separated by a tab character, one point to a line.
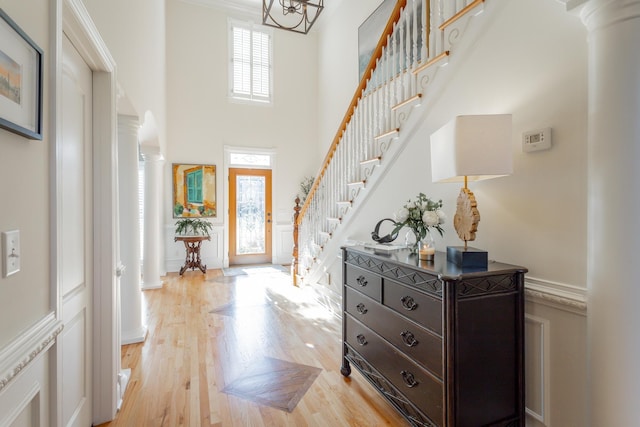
191	354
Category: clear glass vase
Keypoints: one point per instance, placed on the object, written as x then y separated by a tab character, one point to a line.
412	241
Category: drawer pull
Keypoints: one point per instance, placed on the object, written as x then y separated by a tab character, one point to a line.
362	281
408	378
361	308
362	340
409	339
408	303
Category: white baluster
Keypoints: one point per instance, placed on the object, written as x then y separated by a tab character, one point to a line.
407	45
423	30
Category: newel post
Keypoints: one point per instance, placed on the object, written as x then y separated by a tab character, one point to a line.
294	263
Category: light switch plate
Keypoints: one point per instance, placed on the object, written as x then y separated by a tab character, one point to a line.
10	252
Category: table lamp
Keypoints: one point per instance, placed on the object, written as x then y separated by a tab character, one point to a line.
470	148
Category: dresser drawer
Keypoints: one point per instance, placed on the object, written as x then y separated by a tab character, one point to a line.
408	337
364	281
424	390
422	308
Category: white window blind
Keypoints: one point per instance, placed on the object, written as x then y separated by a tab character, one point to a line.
250	62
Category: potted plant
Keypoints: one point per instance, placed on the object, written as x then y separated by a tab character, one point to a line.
193	226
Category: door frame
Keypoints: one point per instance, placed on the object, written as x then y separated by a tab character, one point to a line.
228	150
71	18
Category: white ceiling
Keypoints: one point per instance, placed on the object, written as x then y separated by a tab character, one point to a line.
254	7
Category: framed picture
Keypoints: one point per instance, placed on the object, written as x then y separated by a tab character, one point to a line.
20	81
369	33
194	190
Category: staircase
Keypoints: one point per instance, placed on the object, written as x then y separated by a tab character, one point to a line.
385	111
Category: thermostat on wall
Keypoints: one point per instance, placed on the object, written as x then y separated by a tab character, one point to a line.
536	140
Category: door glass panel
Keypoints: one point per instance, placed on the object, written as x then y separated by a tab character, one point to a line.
250	214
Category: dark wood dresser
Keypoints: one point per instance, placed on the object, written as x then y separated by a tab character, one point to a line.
444	346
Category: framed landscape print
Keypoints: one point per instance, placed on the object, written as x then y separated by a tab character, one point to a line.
194	190
20	81
369	33
371	30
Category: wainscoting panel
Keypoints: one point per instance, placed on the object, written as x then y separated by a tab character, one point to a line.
27	412
24	376
74	369
283	246
537	346
555	354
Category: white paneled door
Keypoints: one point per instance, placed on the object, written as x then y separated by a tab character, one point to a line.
76	242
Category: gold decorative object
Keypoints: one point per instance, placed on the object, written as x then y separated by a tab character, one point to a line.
467	217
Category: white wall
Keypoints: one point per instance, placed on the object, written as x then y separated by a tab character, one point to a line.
535	217
25	299
24	197
201	119
134	31
338	65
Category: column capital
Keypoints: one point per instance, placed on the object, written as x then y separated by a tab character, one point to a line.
151	155
596	14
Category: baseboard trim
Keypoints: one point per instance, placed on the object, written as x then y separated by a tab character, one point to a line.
133	337
23	350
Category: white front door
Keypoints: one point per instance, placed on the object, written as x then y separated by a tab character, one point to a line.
75	239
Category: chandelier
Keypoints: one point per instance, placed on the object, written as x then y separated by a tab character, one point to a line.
293	15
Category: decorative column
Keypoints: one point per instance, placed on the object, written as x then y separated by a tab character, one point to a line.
130	293
153	162
613	210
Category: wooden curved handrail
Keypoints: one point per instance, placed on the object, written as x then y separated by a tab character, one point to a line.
377	54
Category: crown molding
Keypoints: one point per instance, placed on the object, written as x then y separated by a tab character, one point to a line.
235	6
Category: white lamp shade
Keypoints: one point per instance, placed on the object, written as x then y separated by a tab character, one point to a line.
478	147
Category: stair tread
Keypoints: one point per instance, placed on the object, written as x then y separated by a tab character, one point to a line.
433	61
372	160
391	132
413	100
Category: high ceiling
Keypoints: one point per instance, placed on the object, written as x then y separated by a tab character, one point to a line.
254	7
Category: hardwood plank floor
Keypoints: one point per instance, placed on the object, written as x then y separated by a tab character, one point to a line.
211	332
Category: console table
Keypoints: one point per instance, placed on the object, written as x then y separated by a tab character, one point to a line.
192	246
444	346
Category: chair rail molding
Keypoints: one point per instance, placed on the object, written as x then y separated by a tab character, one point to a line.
22	351
562	296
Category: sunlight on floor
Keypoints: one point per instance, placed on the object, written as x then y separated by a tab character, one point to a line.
279	289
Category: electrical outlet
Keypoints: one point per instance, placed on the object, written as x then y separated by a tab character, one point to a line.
536	140
10	252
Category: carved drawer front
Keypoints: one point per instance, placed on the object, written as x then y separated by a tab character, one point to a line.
424	309
408	337
361	307
423	389
364	281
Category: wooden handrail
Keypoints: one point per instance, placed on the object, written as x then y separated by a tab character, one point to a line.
377	54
